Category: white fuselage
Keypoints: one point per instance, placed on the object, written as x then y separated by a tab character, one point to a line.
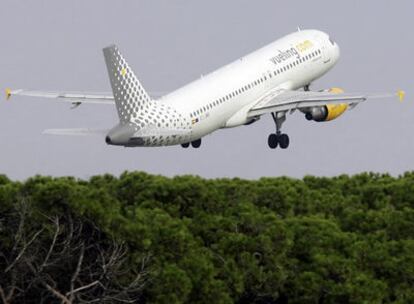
222	98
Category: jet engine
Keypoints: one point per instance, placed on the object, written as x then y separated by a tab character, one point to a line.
327	112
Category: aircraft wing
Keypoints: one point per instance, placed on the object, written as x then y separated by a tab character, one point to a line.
71	97
285	100
75	98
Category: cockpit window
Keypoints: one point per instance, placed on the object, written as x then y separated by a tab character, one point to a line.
331	40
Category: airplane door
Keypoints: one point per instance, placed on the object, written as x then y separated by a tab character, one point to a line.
326	58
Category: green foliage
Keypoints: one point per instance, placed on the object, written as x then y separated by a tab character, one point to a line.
275	240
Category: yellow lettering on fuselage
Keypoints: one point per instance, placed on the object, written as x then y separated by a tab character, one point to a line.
305	45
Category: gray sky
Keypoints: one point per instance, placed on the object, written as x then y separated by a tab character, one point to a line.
57	45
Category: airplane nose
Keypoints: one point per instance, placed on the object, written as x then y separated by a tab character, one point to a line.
336	52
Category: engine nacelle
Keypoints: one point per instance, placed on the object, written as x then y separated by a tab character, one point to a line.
327	112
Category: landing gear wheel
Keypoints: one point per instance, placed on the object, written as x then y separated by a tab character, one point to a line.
196	144
272	141
185	146
284	141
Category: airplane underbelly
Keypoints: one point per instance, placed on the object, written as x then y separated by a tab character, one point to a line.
203	128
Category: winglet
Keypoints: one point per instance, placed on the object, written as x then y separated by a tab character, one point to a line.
8	93
401	95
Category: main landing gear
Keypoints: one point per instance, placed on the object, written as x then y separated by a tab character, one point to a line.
195	144
278	139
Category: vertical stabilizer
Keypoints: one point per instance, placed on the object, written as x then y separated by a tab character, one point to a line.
129	94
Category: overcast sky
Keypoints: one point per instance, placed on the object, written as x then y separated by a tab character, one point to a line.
57	45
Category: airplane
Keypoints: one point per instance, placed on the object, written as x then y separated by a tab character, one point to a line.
273	80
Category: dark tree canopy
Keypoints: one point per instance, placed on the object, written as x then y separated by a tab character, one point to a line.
151	239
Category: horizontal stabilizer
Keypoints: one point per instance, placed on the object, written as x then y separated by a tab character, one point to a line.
76	132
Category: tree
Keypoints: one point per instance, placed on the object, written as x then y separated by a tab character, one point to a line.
63	258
